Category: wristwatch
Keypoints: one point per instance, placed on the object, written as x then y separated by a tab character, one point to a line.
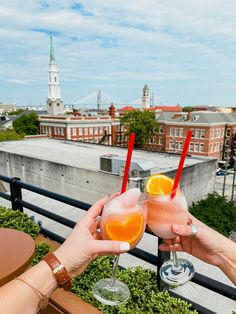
61	274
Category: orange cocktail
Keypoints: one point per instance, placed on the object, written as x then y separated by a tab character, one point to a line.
124	218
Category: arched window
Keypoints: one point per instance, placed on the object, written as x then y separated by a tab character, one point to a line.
58	104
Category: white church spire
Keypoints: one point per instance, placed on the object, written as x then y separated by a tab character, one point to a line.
54	102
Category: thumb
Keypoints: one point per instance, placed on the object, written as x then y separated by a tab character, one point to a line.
182	230
109	247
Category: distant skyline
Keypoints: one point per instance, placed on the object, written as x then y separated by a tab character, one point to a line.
184	50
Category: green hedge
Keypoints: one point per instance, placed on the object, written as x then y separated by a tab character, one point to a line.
145	297
41	249
15	219
216	212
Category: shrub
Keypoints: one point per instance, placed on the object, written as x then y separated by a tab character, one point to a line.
15	219
41	249
10	135
145	297
216	212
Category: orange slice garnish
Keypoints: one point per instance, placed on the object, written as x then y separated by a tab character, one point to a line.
129	229
159	184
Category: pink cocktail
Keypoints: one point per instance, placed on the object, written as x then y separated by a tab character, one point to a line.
163	211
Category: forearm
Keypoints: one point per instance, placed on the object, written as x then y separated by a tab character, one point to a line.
228	264
16	297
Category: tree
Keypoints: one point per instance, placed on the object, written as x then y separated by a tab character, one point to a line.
27	124
142	123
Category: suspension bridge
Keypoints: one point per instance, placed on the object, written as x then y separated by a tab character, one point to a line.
100	100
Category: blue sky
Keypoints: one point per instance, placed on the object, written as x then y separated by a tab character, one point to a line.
185	50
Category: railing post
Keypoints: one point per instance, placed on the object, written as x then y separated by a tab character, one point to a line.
161	258
15	194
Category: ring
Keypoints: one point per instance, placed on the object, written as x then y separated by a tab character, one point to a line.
194	230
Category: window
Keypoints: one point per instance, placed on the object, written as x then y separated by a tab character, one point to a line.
197	133
80	131
202	133
222	132
212	133
227	142
170	144
193	132
73	131
55	79
95	130
85	131
171	131
191	146
201	147
58	105
160	128
211	148
176	132
180	145
181	132
228	132
196	147
215	147
160	140
90	131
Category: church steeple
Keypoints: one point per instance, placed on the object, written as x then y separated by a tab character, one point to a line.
54	102
52	53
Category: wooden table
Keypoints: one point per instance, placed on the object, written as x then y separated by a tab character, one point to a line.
16	252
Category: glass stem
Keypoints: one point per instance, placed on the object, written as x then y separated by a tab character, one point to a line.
114	269
175	259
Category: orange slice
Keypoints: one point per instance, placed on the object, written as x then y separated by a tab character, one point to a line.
128	229
159	184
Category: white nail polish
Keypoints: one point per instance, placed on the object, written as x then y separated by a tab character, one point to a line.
124	246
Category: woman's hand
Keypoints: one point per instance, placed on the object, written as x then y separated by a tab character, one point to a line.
207	245
83	244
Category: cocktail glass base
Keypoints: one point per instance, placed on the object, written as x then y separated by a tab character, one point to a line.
110	292
176	275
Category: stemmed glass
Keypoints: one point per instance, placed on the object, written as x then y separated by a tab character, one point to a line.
123	219
163	211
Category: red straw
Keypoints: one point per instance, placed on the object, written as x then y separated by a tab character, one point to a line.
181	163
127	163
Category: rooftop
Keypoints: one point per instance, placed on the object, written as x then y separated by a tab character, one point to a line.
197	117
86	156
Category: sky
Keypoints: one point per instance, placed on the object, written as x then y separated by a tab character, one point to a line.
184	50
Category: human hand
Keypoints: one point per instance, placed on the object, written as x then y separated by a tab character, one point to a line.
83	244
207	245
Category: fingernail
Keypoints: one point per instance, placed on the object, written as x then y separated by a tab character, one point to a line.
124	246
175	228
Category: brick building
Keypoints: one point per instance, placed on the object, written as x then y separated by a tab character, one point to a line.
214	134
89	129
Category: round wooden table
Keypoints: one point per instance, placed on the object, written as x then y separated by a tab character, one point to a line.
16	252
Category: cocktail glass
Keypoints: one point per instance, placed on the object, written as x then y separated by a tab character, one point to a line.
163	211
123	219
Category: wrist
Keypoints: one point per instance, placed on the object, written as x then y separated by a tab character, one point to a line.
59	270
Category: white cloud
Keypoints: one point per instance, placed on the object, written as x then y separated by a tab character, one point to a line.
103	43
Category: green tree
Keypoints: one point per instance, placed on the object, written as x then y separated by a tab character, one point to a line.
142	123
187	109
27	124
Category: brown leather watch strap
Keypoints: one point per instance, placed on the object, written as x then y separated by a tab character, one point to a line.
59	271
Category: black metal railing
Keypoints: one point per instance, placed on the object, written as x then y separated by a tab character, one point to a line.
17	202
